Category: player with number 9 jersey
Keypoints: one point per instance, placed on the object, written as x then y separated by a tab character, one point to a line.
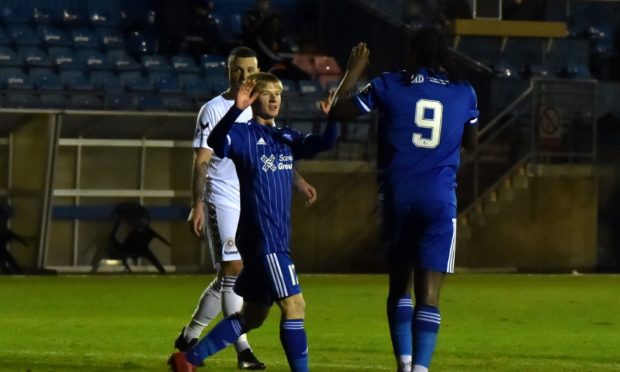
419	141
426	113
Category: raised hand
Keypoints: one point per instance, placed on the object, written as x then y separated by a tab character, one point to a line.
326	104
358	58
245	97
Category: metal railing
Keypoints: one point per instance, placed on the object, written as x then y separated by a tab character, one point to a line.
552	121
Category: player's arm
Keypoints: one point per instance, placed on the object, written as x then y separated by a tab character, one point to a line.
304	187
344	107
470	137
470	132
309	145
202	156
218	139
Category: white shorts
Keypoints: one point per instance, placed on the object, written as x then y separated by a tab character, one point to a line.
220	228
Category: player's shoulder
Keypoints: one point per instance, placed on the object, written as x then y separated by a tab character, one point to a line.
217	104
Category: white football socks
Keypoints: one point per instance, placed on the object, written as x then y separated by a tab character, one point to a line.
231	304
209	306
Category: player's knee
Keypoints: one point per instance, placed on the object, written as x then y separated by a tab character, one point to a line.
231	268
429	297
252	320
293	307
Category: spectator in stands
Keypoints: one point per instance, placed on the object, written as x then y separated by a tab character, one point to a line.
263	31
204	36
172	25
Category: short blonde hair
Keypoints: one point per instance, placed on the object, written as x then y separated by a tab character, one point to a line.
261	79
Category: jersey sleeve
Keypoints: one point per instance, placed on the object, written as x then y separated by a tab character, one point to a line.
207	118
221	137
306	146
372	95
473	108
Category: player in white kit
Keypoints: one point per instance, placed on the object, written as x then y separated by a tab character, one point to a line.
215	186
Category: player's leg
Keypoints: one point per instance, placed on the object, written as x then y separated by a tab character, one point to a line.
400	312
435	258
287	292
210	302
230	268
395	232
228	330
252	283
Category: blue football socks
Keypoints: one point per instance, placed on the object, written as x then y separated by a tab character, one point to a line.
293	338
426	320
223	334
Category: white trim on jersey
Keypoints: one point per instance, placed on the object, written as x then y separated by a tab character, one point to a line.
363	104
276	274
450	268
473	121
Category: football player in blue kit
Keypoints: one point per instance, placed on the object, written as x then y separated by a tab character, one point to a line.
263	155
426	113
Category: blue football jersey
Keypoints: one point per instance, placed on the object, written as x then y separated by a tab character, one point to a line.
263	156
421	123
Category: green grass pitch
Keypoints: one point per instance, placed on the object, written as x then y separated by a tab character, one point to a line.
490	323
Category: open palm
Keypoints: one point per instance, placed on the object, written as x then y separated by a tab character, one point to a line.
245	97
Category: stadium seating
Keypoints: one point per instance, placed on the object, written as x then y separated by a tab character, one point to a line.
45	79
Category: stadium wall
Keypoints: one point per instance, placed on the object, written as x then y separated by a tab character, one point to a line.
549	226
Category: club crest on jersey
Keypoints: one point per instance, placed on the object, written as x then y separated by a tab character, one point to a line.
287	137
261	141
268	163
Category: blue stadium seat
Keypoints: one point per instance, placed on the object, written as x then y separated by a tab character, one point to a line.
23	35
197	89
12	16
122	61
54	100
93	59
149	102
186	78
110	38
53	36
141	42
75	80
102	18
71	19
217	84
85	101
22	100
15	78
168	85
184	63
63	58
310	87
8	57
212	62
5	39
133	81
118	101
178	103
155	63
84	38
34	57
289	87
42	16
45	79
106	81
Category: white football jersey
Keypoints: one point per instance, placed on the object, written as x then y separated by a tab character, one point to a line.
222	181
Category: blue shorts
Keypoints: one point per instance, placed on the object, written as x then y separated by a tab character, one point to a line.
268	278
424	233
